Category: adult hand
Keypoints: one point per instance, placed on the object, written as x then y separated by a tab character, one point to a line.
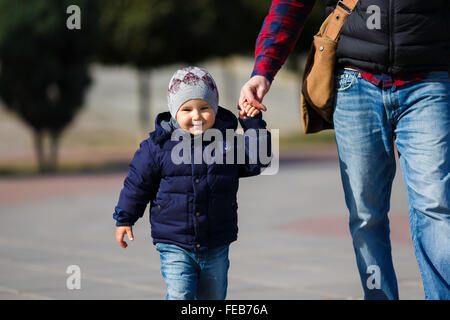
253	92
120	233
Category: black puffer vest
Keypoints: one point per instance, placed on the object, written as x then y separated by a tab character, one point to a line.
413	35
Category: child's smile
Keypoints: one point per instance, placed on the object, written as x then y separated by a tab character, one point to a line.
195	116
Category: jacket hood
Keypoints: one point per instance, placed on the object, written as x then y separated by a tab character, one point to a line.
225	119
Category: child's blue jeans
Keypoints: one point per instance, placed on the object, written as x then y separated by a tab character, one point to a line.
368	122
194	276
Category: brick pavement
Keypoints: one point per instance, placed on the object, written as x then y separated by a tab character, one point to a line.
292	244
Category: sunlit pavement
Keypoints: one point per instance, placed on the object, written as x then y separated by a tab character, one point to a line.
293	239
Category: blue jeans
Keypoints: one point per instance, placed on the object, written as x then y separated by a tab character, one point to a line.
194	276
368	122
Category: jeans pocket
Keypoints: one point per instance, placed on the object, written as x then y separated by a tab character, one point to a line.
344	79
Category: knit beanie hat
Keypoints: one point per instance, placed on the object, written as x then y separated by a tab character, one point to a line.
191	83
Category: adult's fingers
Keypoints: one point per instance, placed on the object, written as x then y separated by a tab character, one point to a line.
241	100
245	96
254	91
260	93
249	94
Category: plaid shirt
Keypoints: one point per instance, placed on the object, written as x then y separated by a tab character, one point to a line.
279	33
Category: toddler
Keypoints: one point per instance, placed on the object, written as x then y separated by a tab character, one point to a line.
193	207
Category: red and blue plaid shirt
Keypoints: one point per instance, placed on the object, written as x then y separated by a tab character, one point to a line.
281	30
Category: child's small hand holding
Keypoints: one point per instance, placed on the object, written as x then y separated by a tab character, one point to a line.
120	234
248	111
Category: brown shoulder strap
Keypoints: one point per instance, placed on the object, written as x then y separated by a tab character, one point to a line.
343	9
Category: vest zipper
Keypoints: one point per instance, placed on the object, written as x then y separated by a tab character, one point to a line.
391	38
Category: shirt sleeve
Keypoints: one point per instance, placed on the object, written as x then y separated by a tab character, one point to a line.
278	35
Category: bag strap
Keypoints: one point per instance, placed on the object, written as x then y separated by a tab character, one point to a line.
343	9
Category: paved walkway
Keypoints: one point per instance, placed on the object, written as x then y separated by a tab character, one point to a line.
293	239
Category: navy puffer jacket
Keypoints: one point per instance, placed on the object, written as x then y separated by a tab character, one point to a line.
191	205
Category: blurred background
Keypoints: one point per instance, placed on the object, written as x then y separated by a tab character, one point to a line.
80	88
80	99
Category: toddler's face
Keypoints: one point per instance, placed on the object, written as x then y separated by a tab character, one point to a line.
195	116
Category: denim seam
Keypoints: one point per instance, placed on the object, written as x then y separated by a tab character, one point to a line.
412	212
414	241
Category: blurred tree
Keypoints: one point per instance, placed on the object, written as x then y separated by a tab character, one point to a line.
44	66
150	33
312	25
235	25
147	34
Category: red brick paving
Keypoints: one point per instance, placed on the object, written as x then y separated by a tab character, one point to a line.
20	190
338	227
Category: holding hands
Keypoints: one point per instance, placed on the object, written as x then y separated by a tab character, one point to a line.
248	111
252	94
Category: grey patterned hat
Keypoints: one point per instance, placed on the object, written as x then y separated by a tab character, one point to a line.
191	83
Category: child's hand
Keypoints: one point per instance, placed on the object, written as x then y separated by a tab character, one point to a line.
120	233
248	111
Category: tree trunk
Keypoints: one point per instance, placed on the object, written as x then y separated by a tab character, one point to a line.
39	149
144	98
54	147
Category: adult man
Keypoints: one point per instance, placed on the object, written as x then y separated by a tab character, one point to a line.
392	86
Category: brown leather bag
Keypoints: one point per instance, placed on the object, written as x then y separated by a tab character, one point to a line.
318	91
